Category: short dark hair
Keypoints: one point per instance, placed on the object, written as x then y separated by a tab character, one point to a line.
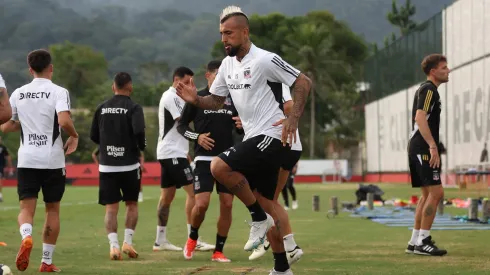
432	61
122	79
213	65
39	60
182	71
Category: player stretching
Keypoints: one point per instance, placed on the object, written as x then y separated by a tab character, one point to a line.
172	152
118	128
425	171
39	109
4	156
95	157
213	135
253	77
293	251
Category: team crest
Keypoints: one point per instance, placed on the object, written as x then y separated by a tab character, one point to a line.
228	101
197	184
435	175
246	73
188	174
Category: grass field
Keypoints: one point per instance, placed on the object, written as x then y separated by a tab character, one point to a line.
342	245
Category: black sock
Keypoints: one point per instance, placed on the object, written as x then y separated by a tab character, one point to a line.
285	196
194	233
257	212
220	243
280	262
293	192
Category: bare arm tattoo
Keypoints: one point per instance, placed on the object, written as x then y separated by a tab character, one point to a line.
163	213
429	211
210	102
301	89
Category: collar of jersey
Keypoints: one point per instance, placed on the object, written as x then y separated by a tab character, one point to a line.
37	79
250	53
172	89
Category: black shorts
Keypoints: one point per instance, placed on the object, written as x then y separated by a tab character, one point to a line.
258	159
420	171
176	172
113	183
50	181
204	180
290	160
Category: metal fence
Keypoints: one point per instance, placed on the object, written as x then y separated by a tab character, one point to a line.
397	66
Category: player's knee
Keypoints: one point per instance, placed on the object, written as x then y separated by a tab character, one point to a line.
132	205
202	206
53	207
226	205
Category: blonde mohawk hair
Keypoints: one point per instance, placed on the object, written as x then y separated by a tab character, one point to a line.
230	11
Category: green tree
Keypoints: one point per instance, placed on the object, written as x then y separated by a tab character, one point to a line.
401	17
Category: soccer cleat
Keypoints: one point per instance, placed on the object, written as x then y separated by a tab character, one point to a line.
257	233
115	254
129	250
294	255
429	248
203	246
287	272
22	259
220	257
260	251
410	248
295	205
189	248
166	246
48	268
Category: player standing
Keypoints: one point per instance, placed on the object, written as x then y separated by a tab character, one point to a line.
118	127
213	135
39	109
5	108
290	186
423	155
172	153
4	157
254	79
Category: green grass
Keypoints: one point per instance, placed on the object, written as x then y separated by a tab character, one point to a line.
342	245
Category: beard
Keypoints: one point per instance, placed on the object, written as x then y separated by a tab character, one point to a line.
232	51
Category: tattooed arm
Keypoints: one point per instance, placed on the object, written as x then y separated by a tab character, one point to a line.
210	102
301	89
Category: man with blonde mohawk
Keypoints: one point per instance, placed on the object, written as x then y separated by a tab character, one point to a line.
254	78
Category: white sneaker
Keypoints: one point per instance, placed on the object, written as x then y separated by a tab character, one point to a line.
203	246
166	246
295	205
140	197
286	208
287	272
257	233
294	255
260	251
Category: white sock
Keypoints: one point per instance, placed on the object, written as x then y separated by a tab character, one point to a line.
188	229
25	230
113	242
415	236
48	250
422	235
1	194
161	234
289	243
128	236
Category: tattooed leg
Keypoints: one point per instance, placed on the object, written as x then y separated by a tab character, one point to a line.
429	211
52	224
234	181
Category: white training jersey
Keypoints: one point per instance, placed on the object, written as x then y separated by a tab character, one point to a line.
256	89
286	96
171	144
36	106
2	82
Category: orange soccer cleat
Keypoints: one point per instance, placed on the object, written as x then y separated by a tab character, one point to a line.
189	248
220	257
129	250
22	259
115	254
48	268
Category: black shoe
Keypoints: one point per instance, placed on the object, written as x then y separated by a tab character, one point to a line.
410	249
429	248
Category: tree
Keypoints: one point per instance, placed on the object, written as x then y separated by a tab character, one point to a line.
401	18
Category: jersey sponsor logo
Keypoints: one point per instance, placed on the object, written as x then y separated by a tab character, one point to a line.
37	140
239	86
220	111
115	151
34	95
113	111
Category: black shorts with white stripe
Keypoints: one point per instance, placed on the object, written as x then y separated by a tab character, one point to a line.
258	159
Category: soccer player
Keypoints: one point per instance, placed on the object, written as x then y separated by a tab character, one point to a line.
213	134
4	156
118	127
40	108
253	77
290	186
95	157
5	108
172	153
423	155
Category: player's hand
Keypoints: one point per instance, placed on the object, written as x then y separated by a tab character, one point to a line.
205	141
238	122
289	127
71	145
435	160
187	92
